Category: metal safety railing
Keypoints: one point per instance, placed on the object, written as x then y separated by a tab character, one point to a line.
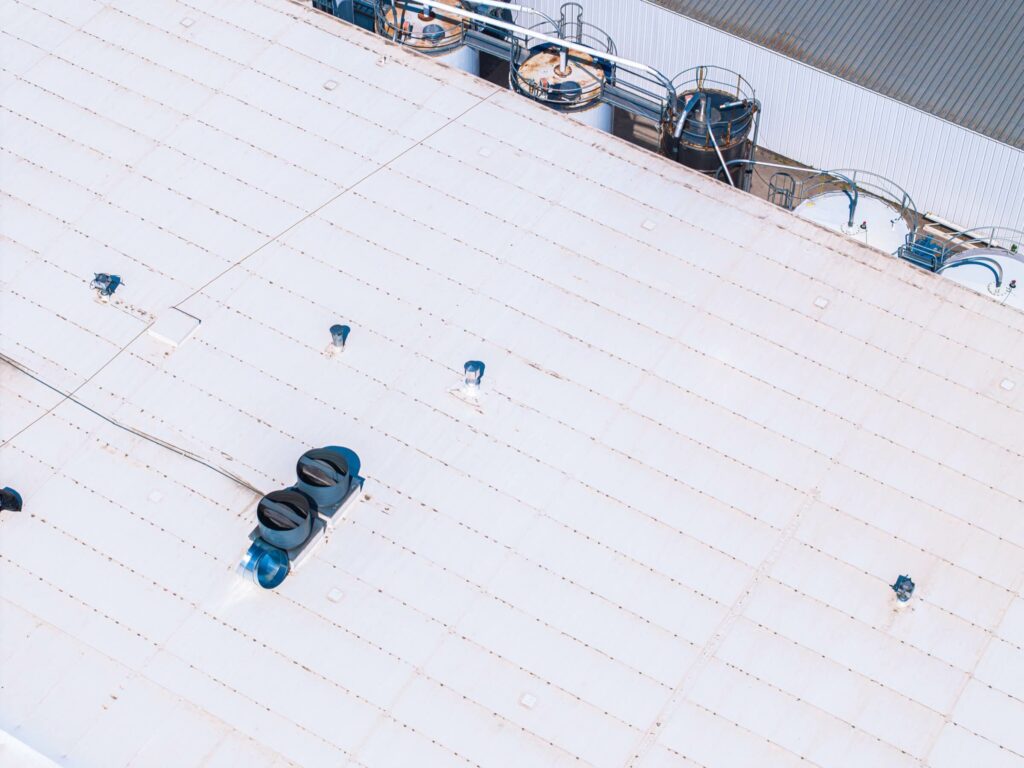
877	186
791	185
419	26
715	109
571	79
970	246
633	86
489	26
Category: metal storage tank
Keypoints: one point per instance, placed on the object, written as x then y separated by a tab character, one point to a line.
564	79
860	204
715	121
428	29
989	260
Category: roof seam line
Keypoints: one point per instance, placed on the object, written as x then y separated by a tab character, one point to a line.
319	208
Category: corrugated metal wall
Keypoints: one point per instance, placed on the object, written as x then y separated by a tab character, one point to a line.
827	122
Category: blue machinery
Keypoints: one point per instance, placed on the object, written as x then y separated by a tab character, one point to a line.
291	522
993	249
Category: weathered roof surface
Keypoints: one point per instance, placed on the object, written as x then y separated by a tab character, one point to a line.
960	61
710	434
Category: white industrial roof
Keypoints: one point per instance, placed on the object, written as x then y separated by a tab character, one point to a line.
710	434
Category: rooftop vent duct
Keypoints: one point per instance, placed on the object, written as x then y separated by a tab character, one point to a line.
339	337
904	588
323	475
285	518
266	565
105	284
10	499
474	372
292	523
861	205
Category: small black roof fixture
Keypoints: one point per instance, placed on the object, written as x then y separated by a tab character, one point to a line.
10	499
904	588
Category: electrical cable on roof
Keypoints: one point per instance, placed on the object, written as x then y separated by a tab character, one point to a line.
137	432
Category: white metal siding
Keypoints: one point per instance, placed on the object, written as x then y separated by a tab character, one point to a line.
828	122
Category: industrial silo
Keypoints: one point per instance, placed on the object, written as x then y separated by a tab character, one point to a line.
713	121
861	205
429	29
568	79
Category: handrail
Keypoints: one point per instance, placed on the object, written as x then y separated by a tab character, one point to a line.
515	7
886	189
390	20
989	236
525	32
707	77
852	191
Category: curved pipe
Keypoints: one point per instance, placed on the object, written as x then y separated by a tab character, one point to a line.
980	261
870	179
731	105
685	114
714	143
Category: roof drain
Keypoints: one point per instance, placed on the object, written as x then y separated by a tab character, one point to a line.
292	522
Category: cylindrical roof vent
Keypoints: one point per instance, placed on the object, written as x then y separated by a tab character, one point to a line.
285	518
324	476
266	565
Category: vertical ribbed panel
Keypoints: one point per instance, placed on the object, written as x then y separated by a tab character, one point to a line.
826	121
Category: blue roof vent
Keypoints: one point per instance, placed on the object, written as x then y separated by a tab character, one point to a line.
474	371
904	588
285	518
10	499
105	284
325	477
266	565
339	335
